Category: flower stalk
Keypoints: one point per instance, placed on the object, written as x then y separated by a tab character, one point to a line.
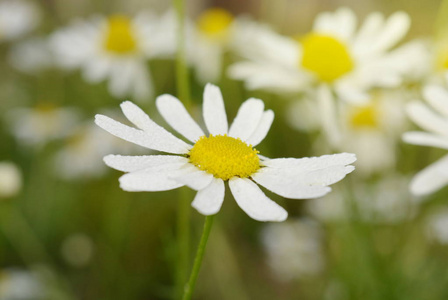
188	293
183	216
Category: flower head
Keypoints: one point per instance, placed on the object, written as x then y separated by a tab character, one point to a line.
334	64
334	54
115	48
225	154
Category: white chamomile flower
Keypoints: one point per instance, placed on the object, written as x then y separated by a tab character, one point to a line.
373	125
434	120
334	61
214	31
294	248
225	154
42	123
17	18
10	179
377	125
116	49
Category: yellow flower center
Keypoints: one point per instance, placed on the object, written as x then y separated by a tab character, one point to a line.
224	157
325	56
215	23
120	38
365	117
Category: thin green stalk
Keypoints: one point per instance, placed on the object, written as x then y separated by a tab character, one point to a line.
183	232
183	216
198	259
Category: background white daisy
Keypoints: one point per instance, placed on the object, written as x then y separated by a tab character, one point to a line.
116	49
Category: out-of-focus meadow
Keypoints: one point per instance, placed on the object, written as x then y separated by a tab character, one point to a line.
67	230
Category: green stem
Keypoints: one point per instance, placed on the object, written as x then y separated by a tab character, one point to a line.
183	216
183	249
198	259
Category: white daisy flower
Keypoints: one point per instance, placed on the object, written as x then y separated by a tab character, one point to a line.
377	125
225	154
374	125
332	62
37	125
433	119
215	28
10	179
333	54
294	248
17	18
116	49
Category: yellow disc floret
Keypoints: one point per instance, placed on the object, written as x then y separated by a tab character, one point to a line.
224	157
120	37
365	117
325	56
215	23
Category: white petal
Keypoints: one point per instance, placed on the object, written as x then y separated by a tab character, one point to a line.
367	32
289	187
262	129
425	139
208	61
174	112
254	202
121	77
142	86
154	179
197	180
136	163
269	77
139	137
312	163
97	70
160	136
328	112
247	119
347	22
214	111
437	97
426	118
351	94
395	28
431	178
208	201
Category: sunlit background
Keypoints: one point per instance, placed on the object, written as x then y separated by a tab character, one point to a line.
67	230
